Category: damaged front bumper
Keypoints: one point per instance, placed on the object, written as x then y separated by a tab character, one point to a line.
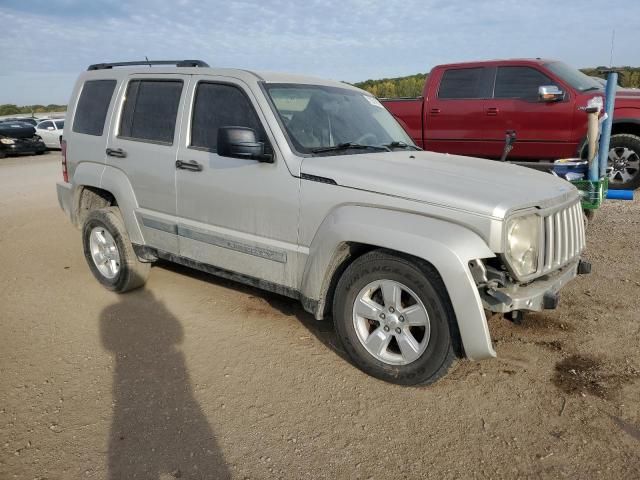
540	294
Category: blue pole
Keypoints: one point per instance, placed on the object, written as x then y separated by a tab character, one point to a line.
619	194
605	135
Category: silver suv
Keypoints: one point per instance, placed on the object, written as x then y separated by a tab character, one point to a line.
311	189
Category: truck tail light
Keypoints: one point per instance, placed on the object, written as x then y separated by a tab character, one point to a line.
63	149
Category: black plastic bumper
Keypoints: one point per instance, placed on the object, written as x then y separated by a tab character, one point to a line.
23	147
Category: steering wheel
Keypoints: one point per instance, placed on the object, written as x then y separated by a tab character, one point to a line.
361	139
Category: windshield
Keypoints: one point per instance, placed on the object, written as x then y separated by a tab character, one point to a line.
59	124
574	77
318	117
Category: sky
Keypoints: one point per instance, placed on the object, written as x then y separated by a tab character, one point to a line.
47	43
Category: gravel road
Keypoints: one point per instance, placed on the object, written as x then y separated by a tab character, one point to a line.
197	377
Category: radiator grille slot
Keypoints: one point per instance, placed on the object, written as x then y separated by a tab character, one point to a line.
564	237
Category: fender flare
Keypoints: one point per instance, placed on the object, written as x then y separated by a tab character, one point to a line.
447	246
114	181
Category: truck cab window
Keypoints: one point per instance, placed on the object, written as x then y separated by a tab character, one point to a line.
221	105
519	82
462	83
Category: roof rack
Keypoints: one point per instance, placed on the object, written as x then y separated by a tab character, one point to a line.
177	63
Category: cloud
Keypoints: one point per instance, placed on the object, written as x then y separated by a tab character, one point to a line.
341	39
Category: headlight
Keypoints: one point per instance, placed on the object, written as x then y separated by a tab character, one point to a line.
7	141
523	244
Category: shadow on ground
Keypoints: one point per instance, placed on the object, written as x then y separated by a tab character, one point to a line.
158	427
322	330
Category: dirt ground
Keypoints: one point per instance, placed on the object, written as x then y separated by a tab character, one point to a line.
196	377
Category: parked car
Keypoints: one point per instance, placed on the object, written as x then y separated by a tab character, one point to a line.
29	120
309	188
467	107
51	132
17	137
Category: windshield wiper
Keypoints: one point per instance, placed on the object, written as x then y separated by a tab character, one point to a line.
350	146
393	145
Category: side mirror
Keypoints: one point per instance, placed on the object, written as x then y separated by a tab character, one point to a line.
550	93
50	128
241	142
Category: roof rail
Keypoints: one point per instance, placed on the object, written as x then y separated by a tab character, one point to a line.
177	63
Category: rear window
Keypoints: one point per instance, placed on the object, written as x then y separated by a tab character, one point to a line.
93	106
462	83
150	110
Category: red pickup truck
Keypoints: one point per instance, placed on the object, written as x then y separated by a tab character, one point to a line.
466	108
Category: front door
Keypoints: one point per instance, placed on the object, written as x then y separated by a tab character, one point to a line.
236	214
144	146
541	127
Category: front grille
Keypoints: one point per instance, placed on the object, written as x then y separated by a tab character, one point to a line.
564	237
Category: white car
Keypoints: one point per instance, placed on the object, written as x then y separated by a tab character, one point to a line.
51	132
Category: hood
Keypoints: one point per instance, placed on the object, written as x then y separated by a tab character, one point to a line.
16	130
480	186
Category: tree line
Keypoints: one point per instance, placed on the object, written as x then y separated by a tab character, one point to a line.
10	109
412	85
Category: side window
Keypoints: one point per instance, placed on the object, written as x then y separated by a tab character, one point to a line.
519	82
462	83
93	106
150	110
45	125
219	105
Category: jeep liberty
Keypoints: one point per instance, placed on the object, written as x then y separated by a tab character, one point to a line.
311	189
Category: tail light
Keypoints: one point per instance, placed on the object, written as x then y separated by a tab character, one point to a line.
63	148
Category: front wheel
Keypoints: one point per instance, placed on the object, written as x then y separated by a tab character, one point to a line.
394	318
623	166
109	253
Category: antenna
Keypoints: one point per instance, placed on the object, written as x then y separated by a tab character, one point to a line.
613	39
147	59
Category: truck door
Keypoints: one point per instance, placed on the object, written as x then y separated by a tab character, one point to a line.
240	215
454	111
543	128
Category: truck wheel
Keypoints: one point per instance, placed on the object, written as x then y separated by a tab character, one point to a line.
109	252
394	319
623	167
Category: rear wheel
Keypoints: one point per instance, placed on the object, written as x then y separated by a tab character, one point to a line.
394	319
623	166
109	253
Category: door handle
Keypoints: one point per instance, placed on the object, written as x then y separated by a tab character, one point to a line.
492	111
434	111
116	152
191	165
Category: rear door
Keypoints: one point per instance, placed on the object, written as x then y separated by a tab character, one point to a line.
454	111
144	144
541	127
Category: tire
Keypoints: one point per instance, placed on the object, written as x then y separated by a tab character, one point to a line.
588	216
120	274
625	173
419	282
